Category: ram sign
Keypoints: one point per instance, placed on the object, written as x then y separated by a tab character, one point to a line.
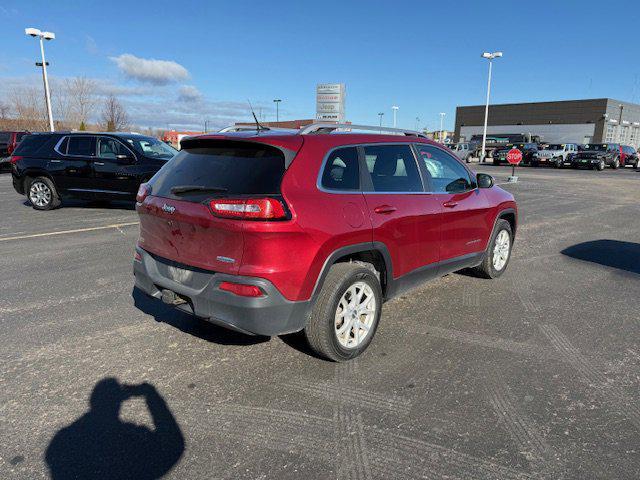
330	99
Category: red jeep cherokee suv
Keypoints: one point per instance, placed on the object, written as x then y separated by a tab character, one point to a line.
272	232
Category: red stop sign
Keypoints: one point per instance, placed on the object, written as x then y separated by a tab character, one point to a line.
514	157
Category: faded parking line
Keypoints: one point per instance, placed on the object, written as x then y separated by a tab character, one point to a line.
65	232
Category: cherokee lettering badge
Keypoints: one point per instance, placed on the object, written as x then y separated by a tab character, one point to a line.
168	208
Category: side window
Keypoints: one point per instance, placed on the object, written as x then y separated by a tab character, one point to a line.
110	148
447	175
392	168
83	146
341	172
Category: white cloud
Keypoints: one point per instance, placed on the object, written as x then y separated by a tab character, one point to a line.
189	93
156	72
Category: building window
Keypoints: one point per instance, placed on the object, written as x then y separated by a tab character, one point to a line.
633	140
609	134
624	133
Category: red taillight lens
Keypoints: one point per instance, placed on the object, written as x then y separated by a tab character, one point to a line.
14	159
10	148
143	192
137	257
242	290
248	208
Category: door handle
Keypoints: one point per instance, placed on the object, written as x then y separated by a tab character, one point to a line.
385	209
450	204
98	163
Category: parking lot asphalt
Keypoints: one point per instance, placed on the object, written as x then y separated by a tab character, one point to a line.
533	375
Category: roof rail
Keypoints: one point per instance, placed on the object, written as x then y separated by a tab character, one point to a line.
252	128
318	128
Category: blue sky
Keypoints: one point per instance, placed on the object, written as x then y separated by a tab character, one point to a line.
423	56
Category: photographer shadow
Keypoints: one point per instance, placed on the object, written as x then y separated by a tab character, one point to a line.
100	445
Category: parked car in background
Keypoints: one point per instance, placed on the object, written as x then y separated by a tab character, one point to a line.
462	151
528	151
498	141
597	156
630	156
219	225
555	154
47	167
8	143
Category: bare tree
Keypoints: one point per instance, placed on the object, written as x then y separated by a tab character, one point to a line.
5	109
28	104
114	116
82	99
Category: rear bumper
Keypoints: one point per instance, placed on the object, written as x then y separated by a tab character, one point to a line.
271	314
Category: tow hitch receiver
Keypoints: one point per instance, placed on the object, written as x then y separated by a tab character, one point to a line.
172	298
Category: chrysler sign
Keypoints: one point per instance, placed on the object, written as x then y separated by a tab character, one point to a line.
330	99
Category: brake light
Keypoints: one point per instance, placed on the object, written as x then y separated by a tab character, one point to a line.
137	257
14	159
241	289
248	208
143	192
10	148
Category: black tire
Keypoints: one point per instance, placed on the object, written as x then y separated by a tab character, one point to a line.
496	162
559	162
600	166
320	331
616	164
486	268
44	201
636	165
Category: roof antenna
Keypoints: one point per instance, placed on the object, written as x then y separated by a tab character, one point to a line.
258	126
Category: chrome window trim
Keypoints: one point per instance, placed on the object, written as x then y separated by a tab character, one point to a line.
360	191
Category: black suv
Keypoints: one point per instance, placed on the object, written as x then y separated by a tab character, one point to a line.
529	150
597	156
95	166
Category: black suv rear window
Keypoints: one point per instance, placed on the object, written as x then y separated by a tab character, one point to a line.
224	168
31	144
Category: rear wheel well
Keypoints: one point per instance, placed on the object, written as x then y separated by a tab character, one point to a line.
371	259
511	218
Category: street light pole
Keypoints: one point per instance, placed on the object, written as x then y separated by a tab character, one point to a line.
395	111
34	32
277	102
490	57
442	114
380	115
417	123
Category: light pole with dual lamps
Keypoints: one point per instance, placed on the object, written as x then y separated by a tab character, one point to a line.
34	32
395	109
490	57
277	102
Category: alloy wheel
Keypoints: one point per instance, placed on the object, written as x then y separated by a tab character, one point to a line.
40	194
355	315
501	250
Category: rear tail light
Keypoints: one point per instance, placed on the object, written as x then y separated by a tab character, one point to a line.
241	289
143	192
10	148
137	257
248	208
14	159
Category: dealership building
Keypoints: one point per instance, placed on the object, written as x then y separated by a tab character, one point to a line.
599	120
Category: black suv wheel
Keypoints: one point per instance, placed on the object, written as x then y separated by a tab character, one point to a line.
42	194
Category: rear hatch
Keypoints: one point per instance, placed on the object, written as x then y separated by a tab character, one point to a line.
195	206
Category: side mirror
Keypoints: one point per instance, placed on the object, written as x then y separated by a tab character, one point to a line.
125	159
485	180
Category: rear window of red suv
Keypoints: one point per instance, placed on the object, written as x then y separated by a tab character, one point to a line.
225	168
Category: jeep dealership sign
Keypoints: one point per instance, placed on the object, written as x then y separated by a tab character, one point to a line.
330	99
